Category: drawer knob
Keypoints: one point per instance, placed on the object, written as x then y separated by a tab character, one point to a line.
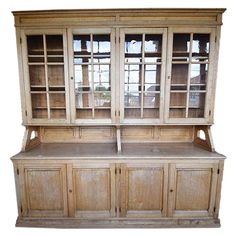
171	190
70	190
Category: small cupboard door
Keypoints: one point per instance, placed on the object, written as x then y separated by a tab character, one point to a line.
143	190
142	72
92	74
44	191
45	75
192	190
91	190
189	79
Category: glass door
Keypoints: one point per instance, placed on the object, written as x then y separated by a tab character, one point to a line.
189	75
92	75
142	74
45	56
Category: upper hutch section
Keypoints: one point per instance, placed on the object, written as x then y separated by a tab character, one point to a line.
121	66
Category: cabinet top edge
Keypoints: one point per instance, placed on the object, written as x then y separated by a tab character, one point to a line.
119	10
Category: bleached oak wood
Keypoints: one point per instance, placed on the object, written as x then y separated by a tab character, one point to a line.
115	171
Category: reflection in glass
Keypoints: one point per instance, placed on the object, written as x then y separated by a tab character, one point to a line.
102	100
181	46
83	100
133	73
151	100
153	43
133	43
81	44
101	44
132	99
200	46
132	88
198	73
152	74
101	73
196	105
82	76
178	99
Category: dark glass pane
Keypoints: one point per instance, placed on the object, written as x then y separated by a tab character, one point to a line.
153	47
179	74
54	44
200	47
132	99
35	44
56	75
37	75
83	100
181	46
81	45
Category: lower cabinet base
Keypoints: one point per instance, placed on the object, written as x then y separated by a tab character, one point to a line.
121	223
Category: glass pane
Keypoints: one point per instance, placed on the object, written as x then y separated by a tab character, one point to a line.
102	113
181	47
101	77
83	100
151	113
132	99
178	99
81	45
177	113
196	100
133	47
102	100
153	48
39	106
200	48
56	75
179	74
83	113
198	73
54	44
133	74
35	45
83	79
101	45
132	88
57	100
37	75
151	100
152	74
132	113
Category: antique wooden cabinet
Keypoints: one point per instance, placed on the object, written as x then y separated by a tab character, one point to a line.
118	106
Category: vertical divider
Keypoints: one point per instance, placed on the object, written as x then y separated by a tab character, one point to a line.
142	75
92	75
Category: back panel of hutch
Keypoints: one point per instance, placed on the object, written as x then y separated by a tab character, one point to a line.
118	106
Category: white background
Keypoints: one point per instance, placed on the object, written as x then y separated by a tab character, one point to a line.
11	131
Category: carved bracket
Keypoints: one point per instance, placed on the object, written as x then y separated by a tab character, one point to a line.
31	138
203	138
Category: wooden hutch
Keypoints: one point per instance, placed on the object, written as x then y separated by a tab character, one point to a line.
118	105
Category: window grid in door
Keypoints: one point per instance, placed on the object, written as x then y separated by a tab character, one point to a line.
46	76
143	59
92	73
190	62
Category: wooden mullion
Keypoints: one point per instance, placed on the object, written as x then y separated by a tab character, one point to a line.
92	75
142	75
46	74
189	75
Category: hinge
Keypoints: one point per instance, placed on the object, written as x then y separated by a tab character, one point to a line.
215	39
209	112
17	171
25	112
20	40
214	209
115	209
119	170
218	171
21	209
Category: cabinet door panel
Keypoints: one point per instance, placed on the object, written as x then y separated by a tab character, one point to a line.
143	190
45	72
192	189
190	67
45	191
93	188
